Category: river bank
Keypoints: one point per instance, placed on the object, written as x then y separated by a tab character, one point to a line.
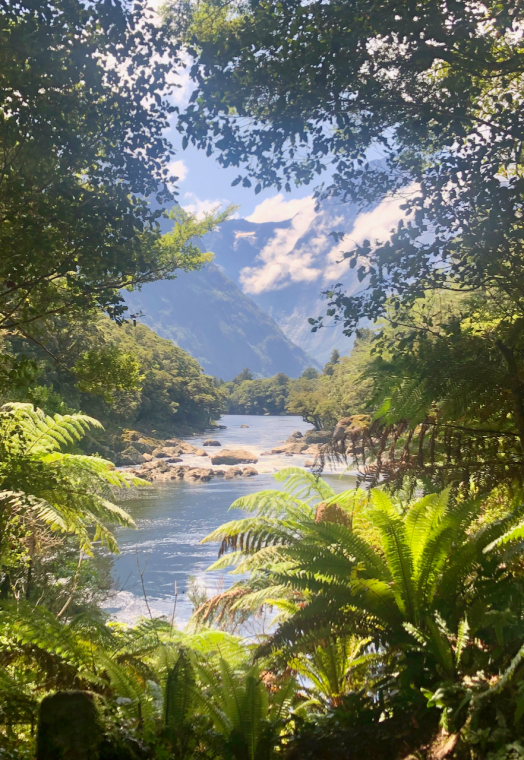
230	452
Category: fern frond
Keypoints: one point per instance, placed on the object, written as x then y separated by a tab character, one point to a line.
304	484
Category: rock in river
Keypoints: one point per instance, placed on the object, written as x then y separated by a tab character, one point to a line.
211	442
234	456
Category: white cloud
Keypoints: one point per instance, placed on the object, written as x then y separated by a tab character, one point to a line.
179	169
199	206
184	85
276	209
376	226
280	262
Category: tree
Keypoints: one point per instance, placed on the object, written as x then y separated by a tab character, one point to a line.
310	373
123	375
267	395
306	398
436	86
442	406
345	388
85	175
246	374
334	359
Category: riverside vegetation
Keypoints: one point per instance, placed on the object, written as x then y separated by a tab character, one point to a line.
398	608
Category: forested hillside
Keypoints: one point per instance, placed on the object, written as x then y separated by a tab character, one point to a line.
124	375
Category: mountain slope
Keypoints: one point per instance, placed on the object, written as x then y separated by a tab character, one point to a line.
284	266
207	314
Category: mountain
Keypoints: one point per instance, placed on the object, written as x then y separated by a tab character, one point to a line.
284	266
206	314
251	307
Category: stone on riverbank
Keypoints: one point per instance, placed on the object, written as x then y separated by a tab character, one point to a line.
234	456
296	447
176	450
318	436
211	442
130	456
198	474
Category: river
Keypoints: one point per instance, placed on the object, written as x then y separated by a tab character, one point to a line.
163	556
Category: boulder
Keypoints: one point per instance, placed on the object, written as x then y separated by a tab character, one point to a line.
244	426
314	449
233	472
145	447
349	426
132	435
129	456
295	436
69	727
211	442
234	456
173	442
175	447
177	473
318	436
296	448
249	472
198	474
160	453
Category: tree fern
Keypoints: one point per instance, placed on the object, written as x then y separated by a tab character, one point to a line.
402	576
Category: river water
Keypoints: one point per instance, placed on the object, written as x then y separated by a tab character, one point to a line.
162	558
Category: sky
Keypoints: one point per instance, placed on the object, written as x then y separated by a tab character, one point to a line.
204	185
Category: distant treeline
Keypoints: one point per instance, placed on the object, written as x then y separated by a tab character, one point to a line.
320	398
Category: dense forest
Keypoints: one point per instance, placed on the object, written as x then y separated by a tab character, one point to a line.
397	606
321	398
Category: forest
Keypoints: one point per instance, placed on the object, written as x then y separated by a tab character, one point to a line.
390	614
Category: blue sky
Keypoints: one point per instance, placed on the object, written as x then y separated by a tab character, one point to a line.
204	184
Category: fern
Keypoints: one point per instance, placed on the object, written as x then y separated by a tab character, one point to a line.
63	492
401	576
179	691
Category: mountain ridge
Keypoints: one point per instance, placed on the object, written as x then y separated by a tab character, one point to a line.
206	314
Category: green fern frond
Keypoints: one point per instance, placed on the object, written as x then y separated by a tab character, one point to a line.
179	692
304	484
